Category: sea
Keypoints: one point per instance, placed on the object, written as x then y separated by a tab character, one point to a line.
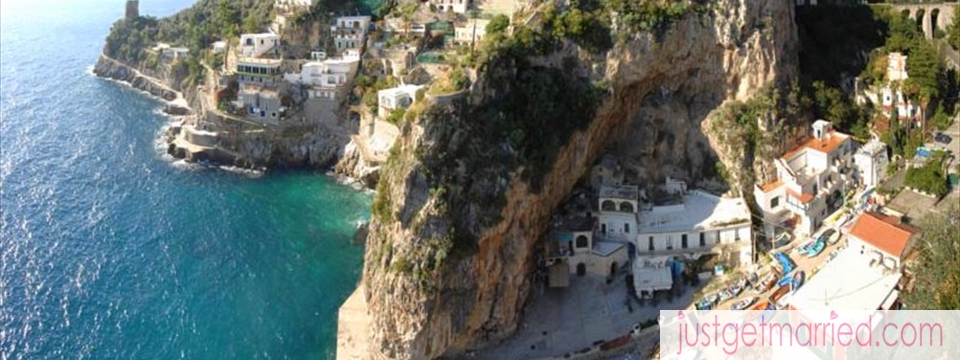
109	249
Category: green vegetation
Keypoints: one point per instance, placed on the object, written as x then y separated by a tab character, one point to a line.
584	22
396	116
929	178
652	15
738	126
938	267
833	105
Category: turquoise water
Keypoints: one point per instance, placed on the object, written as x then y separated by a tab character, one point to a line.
110	251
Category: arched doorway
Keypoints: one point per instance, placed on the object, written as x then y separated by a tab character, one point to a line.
613	269
626	206
581	269
920	14
934	16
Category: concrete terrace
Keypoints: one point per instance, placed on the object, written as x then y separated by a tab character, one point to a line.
698	210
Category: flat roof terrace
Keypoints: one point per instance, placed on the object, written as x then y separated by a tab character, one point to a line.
699	211
848	282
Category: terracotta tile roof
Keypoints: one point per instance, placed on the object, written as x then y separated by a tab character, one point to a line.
771	186
804	198
827	145
884	232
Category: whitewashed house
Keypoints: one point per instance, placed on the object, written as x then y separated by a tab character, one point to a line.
400	97
884	238
456	6
257	45
261	71
811	180
327	79
896	67
695	224
619	206
571	245
260	102
349	31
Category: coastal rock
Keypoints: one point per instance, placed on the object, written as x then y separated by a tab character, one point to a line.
112	69
427	299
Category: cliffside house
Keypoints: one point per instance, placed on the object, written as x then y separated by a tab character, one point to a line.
695	224
456	6
258	45
871	161
260	102
327	79
618	205
168	53
349	32
571	246
400	97
399	26
883	238
470	32
261	71
810	184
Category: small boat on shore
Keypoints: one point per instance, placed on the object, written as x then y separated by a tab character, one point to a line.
798	279
744	303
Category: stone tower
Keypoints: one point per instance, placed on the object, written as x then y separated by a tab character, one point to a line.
133	10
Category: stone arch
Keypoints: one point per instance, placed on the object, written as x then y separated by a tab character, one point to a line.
905	13
608	205
920	14
626	206
582	241
934	17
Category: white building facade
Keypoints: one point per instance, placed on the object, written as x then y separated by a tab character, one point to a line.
871	160
257	45
619	206
400	97
471	32
349	32
811	180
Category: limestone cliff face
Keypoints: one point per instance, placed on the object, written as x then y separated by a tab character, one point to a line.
428	298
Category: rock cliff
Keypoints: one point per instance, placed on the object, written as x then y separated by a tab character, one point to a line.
451	248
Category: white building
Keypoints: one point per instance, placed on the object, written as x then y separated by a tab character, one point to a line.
694	225
456	6
262	71
400	97
349	32
257	45
472	31
895	99
618	205
882	238
850	281
811	180
896	67
325	79
572	246
219	47
871	160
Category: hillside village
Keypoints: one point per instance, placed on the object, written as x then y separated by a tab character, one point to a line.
839	212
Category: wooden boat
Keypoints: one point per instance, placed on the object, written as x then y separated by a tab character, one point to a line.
744	303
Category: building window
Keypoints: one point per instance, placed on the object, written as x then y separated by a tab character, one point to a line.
608	205
650	244
683	241
669	242
736	234
703	240
582	242
774	202
626	228
603	229
626	207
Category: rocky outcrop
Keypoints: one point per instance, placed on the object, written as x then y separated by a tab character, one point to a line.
429	295
112	69
353	164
